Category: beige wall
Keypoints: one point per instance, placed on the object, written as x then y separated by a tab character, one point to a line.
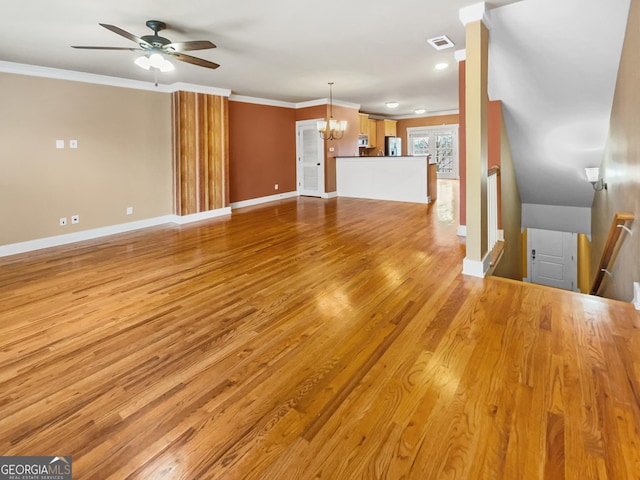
510	266
621	167
123	157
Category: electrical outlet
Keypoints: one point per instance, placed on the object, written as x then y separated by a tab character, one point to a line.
129	210
275	186
63	221
75	219
332	149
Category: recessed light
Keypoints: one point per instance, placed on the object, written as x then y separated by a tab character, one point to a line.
392	104
420	110
441	66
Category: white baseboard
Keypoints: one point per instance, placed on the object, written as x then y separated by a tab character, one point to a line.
476	268
30	245
258	201
196	217
501	235
57	240
330	195
462	230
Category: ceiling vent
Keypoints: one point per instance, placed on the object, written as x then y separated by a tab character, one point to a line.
441	42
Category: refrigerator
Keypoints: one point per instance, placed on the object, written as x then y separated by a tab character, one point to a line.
392	146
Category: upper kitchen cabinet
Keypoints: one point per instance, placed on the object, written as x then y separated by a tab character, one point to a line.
372	133
364	124
390	128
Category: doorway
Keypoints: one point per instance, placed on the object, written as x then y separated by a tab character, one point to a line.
309	159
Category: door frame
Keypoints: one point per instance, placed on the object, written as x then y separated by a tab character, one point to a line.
321	159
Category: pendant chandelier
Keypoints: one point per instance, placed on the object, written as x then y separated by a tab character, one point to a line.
331	129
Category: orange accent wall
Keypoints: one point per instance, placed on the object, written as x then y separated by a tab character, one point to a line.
262	150
311	113
462	142
348	144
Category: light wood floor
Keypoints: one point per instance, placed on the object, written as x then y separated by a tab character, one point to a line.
329	339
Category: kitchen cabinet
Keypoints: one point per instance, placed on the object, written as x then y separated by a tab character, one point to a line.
372	133
364	124
390	128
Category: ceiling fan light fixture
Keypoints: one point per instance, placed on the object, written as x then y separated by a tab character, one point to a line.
156	61
143	62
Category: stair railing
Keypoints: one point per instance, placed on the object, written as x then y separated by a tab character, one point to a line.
618	225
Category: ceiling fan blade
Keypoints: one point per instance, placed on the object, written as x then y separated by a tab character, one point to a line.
125	34
186	46
108	48
193	60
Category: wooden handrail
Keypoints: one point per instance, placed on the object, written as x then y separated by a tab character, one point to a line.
619	220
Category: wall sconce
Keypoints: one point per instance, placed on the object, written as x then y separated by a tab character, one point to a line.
593	175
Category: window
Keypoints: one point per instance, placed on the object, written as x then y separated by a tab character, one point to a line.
441	143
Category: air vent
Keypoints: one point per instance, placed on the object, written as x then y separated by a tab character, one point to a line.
441	42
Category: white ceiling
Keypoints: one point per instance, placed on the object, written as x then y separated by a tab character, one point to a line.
374	50
552	62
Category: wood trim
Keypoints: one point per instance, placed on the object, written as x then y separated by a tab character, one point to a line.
494	170
201	152
584	256
608	255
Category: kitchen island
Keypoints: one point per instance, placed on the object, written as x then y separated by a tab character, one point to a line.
402	179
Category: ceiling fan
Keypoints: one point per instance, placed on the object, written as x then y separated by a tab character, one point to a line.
155	47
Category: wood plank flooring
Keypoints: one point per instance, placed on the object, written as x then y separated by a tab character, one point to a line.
311	339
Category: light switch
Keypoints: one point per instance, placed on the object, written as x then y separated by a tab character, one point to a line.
59	143
73	143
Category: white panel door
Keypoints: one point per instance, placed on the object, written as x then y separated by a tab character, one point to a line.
310	159
552	258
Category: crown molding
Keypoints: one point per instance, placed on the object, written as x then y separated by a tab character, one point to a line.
261	101
421	115
60	74
325	101
460	55
476	12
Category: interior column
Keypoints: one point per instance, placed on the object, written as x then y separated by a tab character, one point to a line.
477	259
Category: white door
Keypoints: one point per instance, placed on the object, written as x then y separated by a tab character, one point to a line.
310	159
552	258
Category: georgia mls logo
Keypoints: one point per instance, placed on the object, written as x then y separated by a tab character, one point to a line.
35	468
62	462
